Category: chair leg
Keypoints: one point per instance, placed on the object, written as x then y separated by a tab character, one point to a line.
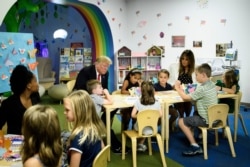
160	145
216	137
134	151
243	124
230	141
204	140
123	145
149	146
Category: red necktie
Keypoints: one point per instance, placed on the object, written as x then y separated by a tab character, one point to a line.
99	77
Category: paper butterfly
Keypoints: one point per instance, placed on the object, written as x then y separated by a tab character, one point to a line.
22	51
4	77
32	53
11	42
3	46
23	60
32	66
14	51
29	41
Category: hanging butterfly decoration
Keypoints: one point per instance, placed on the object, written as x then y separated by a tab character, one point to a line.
8	62
22	51
4	77
23	60
32	66
3	46
14	51
32	53
11	42
29	41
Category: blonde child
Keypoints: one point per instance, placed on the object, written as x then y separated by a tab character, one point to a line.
132	79
96	92
147	101
42	137
87	129
229	85
163	85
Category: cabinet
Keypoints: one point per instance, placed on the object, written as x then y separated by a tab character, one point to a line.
148	62
72	60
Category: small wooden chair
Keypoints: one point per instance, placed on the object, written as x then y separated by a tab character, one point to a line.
102	157
217	119
146	118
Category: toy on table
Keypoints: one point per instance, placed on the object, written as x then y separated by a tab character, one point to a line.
189	88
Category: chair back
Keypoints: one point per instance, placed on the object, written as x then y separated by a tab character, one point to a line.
116	92
102	157
148	118
217	116
70	85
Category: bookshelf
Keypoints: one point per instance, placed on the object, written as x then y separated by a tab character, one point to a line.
148	62
72	60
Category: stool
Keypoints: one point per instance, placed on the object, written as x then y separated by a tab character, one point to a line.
58	91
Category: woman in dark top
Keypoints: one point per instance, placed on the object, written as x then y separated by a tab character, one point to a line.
186	69
24	89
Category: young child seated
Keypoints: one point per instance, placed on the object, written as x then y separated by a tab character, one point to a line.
163	85
100	97
132	79
229	84
205	95
147	101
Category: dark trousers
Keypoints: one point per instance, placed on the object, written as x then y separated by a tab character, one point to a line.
115	143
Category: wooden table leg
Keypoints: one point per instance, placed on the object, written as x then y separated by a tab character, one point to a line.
236	116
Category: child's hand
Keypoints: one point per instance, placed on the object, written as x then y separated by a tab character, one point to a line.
218	88
105	92
177	85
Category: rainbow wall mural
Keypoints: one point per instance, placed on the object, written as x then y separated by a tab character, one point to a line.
102	40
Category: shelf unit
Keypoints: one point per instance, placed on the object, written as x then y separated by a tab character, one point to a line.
72	60
149	63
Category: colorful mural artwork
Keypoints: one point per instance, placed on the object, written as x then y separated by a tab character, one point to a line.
15	49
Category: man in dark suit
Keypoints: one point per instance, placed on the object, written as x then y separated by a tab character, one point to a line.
99	71
99	68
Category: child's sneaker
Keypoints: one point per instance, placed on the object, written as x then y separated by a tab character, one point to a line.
141	148
193	150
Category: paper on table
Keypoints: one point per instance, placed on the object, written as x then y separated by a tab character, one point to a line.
131	100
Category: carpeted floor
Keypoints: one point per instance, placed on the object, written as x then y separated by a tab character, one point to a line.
218	156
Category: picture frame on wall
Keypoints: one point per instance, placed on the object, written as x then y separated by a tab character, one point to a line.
178	41
197	44
221	49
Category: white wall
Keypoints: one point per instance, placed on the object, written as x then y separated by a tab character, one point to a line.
5	6
147	18
236	29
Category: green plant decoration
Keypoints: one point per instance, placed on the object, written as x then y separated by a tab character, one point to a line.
21	11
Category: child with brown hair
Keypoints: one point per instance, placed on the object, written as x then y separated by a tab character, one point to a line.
163	85
229	85
147	101
132	79
42	137
205	95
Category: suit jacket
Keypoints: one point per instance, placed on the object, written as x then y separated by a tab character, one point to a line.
88	73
